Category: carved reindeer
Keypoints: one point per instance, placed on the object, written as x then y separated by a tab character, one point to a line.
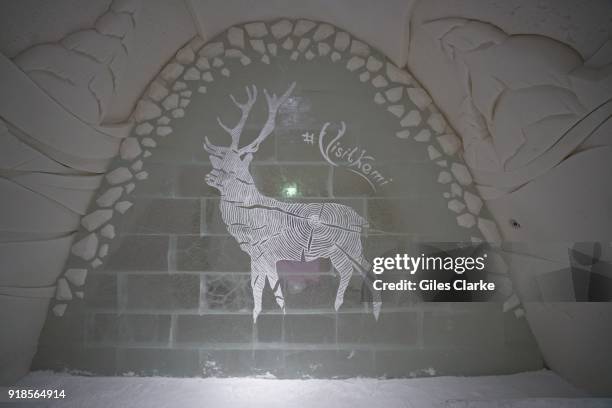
270	230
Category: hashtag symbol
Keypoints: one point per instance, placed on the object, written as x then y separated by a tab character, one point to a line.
308	137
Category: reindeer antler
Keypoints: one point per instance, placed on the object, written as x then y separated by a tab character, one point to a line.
274	103
212	149
236	131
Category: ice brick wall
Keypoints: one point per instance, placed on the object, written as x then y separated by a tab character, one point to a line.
156	284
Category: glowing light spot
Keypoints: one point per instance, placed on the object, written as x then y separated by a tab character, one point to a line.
290	190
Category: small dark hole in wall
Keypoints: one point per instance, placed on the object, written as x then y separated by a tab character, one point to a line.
514	223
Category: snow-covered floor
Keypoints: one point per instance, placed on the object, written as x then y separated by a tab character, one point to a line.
152	392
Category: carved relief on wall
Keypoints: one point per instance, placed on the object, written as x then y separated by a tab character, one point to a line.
385	155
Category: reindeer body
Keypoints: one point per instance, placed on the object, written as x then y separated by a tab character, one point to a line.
269	230
291	231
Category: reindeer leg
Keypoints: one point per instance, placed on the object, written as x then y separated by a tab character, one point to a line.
275	284
376	298
344	267
258	282
363	267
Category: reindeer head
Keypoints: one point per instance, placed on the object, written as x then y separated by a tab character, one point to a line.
231	163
